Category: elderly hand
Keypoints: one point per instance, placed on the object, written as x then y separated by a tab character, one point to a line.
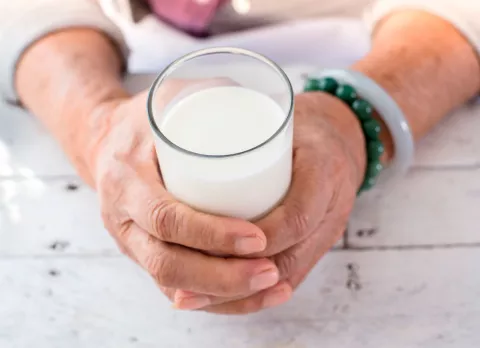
162	235
328	167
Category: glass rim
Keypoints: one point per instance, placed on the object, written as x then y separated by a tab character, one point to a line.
211	51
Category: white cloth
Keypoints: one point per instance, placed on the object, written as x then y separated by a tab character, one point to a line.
154	43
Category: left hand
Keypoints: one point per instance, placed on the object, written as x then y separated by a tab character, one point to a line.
328	168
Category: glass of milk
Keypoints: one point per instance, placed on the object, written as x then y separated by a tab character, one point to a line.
222	119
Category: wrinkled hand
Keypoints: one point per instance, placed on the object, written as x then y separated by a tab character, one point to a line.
328	167
163	236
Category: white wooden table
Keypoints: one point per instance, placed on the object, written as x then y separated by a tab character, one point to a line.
407	273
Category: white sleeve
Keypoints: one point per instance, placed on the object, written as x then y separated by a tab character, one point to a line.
22	22
463	14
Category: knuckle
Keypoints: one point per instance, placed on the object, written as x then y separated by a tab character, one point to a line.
164	219
116	221
298	221
121	235
286	264
162	267
300	224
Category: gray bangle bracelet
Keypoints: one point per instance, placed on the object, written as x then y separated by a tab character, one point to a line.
390	113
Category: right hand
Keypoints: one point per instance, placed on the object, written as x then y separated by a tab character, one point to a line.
163	236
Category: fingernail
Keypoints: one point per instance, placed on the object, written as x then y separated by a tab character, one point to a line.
264	280
248	245
192	303
275	298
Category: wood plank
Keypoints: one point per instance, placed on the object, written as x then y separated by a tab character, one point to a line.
395	299
425	208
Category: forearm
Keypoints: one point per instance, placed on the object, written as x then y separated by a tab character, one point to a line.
425	64
62	78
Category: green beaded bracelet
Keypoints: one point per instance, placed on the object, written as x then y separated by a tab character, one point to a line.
364	111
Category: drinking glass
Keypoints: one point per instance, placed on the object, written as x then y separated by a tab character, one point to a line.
245	184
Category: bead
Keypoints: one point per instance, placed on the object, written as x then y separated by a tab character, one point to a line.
373	169
311	85
328	84
362	109
367	184
347	93
375	149
372	129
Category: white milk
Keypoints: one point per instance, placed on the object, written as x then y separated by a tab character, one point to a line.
222	121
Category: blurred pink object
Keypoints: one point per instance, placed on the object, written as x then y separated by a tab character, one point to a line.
190	15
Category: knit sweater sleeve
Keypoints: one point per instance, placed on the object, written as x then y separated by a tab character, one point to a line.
463	14
22	22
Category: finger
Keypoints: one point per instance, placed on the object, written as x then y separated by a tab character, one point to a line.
275	296
304	207
170	221
293	264
188	300
174	266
